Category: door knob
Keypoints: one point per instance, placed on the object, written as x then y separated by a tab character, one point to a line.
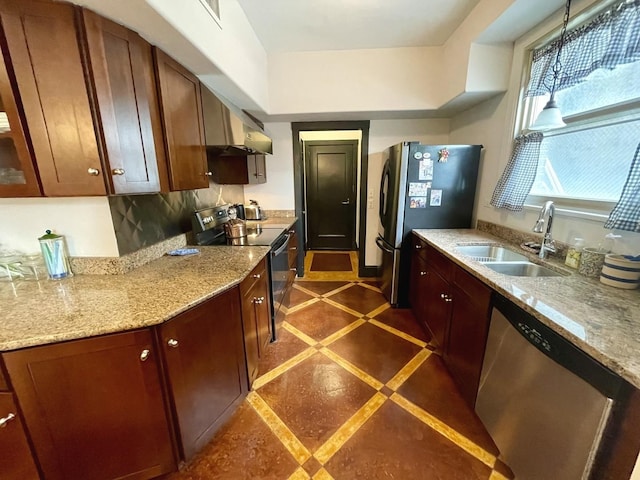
94	172
346	202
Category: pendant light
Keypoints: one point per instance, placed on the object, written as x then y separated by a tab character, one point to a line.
550	116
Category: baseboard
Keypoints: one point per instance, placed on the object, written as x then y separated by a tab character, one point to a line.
365	272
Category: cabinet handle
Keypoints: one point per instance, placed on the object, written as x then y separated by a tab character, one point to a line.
208	174
172	342
7	419
423	273
256	275
118	171
94	172
443	295
418	247
448	299
258	300
144	355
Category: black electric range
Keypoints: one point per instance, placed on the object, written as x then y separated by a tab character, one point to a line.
208	229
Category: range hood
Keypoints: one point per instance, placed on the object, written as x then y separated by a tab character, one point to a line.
229	131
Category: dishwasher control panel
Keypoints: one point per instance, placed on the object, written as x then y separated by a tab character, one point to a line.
535	336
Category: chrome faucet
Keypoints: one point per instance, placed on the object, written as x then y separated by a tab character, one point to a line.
546	216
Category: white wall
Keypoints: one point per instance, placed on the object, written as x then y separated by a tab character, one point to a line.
85	222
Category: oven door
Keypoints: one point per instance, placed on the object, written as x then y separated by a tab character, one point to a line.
280	281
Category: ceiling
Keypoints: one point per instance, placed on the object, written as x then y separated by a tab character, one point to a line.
313	25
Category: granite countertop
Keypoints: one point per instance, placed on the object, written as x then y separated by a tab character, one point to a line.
37	313
273	222
602	321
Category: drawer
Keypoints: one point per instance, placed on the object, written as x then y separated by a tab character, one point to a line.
419	246
477	291
260	271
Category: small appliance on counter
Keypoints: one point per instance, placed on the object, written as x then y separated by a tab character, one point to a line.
235	228
253	211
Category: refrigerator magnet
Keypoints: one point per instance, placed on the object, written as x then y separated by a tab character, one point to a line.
425	170
418	189
417	155
418	202
436	198
443	155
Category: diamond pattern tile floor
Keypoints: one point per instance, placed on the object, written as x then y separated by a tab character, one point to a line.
350	390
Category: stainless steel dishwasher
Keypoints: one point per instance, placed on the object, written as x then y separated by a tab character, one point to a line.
545	402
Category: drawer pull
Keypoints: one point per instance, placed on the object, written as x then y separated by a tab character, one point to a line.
172	342
423	273
7	419
418	247
258	300
256	275
144	355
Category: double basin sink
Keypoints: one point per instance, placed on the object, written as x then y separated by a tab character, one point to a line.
505	261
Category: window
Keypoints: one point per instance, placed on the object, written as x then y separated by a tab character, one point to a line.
587	162
213	7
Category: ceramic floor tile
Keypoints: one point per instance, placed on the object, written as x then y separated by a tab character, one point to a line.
244	449
320	320
285	347
402	319
297	296
394	444
321	287
379	353
359	298
432	389
315	398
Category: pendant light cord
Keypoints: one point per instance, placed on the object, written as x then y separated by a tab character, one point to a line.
557	66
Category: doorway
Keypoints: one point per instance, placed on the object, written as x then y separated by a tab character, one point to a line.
330	194
361	192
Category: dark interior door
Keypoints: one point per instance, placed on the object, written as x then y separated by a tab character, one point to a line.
330	168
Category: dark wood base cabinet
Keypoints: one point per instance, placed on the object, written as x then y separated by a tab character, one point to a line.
256	317
454	307
18	463
95	408
205	366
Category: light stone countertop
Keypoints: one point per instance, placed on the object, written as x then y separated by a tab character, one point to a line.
47	311
273	222
602	321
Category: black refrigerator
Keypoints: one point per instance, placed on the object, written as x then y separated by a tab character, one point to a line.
422	186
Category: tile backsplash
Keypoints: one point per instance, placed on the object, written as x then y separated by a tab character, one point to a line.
143	220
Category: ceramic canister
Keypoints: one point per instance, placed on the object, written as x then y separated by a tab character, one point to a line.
620	272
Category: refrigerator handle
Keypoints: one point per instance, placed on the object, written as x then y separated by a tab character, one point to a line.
384	185
382	246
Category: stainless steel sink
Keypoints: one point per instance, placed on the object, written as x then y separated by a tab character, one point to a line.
490	253
522	269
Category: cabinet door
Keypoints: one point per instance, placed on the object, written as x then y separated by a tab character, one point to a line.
17	173
257	169
17	463
467	333
121	64
437	308
204	356
418	287
94	407
183	124
42	44
256	317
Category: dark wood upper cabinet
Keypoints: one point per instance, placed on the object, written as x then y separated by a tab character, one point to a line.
42	52
17	173
238	169
95	408
181	108
123	80
205	365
